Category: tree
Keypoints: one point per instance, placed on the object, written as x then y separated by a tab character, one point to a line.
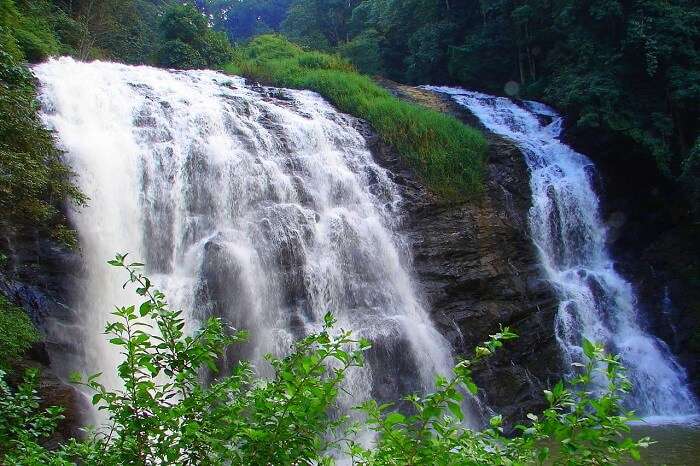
189	41
364	51
243	19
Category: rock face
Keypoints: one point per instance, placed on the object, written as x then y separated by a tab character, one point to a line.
35	277
478	269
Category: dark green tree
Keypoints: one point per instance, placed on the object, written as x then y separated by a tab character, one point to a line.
189	42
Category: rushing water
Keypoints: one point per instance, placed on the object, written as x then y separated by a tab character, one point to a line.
595	301
260	206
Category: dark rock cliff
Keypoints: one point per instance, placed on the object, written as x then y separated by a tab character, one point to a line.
478	269
34	276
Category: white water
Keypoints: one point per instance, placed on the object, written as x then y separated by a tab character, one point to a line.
595	301
262	207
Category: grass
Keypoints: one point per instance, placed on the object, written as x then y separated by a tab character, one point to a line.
447	154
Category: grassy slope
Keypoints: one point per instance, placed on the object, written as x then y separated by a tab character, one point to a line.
447	154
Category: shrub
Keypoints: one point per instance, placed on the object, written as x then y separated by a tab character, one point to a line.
364	52
176	54
216	49
17	332
164	415
189	41
24	425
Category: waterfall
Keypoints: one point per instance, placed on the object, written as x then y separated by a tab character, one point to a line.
566	227
260	206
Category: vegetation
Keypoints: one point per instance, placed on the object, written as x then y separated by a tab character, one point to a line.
18	332
243	19
33	179
189	41
446	153
164	415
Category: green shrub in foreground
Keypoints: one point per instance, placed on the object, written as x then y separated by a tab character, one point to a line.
164	415
447	154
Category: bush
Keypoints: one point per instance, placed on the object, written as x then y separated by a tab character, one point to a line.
34	48
164	415
17	332
176	54
30	24
216	49
447	154
190	42
364	52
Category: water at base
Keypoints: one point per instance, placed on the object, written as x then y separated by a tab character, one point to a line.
260	206
674	444
595	301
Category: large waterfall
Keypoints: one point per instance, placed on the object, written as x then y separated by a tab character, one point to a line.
595	301
258	205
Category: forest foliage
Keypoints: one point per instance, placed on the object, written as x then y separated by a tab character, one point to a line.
163	414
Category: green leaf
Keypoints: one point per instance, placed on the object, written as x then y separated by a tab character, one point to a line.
145	308
328	320
394	418
456	409
588	348
634	453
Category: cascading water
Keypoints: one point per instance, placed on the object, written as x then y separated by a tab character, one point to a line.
595	301
261	206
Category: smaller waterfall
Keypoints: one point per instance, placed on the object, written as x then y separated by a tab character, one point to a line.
595	301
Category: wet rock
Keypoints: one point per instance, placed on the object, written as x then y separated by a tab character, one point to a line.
477	269
38	276
55	392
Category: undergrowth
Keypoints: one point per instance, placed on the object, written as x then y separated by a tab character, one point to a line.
163	414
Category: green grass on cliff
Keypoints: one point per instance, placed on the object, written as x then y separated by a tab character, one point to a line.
447	154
